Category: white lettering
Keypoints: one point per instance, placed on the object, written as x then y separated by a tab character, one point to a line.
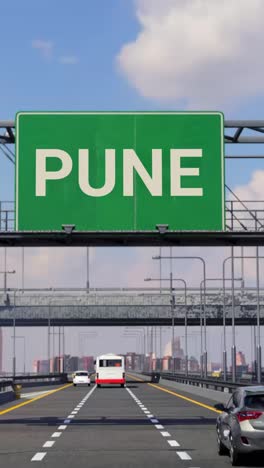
131	162
177	172
42	175
84	174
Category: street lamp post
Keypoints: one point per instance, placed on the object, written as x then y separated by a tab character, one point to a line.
139	329
24	350
171	279
232	257
87	269
14	334
220	279
203	353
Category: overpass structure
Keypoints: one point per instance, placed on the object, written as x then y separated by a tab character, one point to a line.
119	308
244	219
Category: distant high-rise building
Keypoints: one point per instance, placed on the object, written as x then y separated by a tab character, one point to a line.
193	364
240	359
178	351
87	363
1	350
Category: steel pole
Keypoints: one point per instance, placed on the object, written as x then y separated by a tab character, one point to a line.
201	336
14	336
24	355
204	314
233	318
160	353
49	337
59	348
160	269
87	269
242	270
172	323
224	327
63	349
186	329
258	320
5	272
23	268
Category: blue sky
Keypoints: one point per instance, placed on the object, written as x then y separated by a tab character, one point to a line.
59	55
40	37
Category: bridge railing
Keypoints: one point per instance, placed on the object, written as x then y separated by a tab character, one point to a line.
214	383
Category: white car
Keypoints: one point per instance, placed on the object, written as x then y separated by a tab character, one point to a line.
81	377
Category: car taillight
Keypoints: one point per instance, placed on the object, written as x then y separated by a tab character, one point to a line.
246	415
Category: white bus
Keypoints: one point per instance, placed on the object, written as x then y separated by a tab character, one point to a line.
110	369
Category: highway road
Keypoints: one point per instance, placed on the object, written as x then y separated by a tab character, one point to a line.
142	424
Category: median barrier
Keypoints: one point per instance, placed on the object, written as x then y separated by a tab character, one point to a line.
6	392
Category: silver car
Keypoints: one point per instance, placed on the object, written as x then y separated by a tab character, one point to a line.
240	426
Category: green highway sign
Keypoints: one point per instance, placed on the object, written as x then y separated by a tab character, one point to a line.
112	171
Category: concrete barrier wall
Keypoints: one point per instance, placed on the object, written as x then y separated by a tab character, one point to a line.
7	395
214	395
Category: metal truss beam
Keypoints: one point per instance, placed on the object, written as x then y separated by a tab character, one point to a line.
236	131
123	322
132	239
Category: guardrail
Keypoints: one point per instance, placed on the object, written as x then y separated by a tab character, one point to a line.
5	384
214	383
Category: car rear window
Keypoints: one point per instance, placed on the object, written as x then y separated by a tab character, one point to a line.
110	363
255	402
81	374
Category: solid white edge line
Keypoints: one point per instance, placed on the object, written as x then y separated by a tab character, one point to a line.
184	455
38	456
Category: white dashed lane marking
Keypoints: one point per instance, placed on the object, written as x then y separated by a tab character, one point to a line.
56	434
184	456
173	443
49	443
38	456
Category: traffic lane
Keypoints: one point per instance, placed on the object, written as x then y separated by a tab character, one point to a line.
111	430
24	429
193	426
28	393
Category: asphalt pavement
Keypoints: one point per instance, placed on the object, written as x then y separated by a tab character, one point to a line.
111	427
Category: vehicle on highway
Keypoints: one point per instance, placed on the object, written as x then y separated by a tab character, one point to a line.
240	426
110	369
81	377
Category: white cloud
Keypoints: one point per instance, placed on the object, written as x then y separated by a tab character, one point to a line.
45	47
254	189
68	60
203	53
